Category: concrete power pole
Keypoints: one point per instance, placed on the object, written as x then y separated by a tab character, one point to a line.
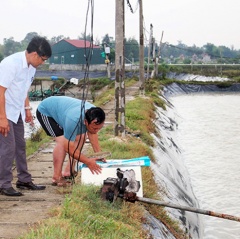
119	69
158	55
107	52
153	57
141	48
149	48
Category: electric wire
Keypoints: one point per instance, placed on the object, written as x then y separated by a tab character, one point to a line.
199	51
88	56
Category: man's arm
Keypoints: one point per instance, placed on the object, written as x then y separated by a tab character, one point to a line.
4	126
93	138
28	113
73	149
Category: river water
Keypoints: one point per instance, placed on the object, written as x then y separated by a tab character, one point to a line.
209	136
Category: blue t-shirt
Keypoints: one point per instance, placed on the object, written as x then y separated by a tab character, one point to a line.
68	112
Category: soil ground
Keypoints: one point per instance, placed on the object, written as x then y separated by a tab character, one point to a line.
19	214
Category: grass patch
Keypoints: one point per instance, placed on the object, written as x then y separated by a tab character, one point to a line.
35	141
109	94
139	115
85	215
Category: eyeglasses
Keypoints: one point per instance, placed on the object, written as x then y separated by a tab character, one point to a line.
42	58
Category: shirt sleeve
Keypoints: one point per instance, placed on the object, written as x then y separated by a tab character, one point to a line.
7	74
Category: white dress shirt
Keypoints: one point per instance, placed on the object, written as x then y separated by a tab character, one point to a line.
17	77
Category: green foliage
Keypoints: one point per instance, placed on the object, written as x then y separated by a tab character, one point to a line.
186	61
131	49
36	140
1	56
163	69
139	113
218	54
10	46
37	136
123	149
230	71
99	83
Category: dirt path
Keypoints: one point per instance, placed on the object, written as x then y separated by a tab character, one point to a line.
18	214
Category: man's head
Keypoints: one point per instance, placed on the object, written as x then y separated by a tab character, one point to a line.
41	46
39	49
94	119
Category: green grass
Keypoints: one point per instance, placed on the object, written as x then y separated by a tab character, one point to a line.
36	141
85	215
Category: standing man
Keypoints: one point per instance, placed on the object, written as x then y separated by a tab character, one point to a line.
16	75
71	121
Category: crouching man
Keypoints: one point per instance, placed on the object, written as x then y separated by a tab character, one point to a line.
71	121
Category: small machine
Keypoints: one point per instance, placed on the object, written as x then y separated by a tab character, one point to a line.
124	186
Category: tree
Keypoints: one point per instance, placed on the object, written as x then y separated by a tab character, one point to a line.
211	50
30	36
131	48
97	41
85	37
1	52
10	46
27	39
1	56
106	39
57	39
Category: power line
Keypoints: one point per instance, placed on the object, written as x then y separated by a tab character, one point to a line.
199	51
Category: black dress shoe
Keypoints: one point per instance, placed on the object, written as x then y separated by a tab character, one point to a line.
29	186
10	192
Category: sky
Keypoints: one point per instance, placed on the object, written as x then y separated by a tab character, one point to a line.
192	22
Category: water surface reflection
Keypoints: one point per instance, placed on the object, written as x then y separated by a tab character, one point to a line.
209	134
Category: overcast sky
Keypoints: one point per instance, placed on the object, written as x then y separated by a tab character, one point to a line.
190	21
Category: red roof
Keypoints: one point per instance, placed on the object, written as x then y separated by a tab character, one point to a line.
80	43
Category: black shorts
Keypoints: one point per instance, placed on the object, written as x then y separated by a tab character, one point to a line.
50	126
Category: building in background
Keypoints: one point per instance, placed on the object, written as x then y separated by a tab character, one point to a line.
71	54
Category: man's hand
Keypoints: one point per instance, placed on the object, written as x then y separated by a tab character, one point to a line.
93	166
29	117
4	127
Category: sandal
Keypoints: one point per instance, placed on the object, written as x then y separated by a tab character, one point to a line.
62	182
70	177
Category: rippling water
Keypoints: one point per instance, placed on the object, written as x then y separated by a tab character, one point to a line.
209	134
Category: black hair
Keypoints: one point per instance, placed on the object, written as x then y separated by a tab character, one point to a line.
95	113
40	45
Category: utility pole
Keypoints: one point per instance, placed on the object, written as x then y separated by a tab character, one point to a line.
153	57
158	55
141	48
107	52
119	69
149	48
